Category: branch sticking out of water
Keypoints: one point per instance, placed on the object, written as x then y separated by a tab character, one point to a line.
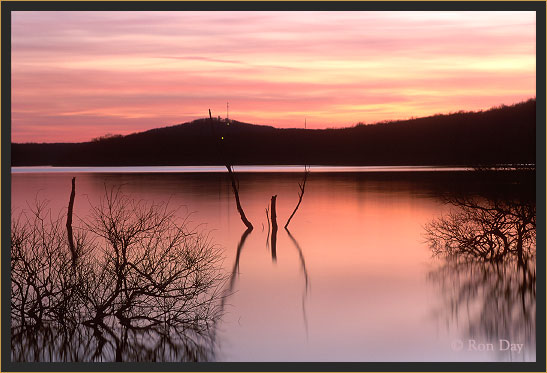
235	187
300	194
274	228
269	227
140	270
69	223
236	194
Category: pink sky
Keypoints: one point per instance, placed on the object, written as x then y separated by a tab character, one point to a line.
79	75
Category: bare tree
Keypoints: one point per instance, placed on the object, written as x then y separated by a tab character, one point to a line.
43	284
235	188
490	229
235	184
155	268
145	285
69	223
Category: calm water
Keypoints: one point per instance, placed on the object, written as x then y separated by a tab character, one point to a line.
353	281
208	169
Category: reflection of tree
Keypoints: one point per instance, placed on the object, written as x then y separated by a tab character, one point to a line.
489	229
488	279
54	342
301	257
306	277
490	300
235	270
145	287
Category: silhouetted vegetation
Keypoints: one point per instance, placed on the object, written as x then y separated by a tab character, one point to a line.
487	229
106	137
235	189
70	236
302	187
273	216
488	275
504	135
233	178
144	287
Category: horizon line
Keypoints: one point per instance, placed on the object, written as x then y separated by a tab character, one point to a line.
360	123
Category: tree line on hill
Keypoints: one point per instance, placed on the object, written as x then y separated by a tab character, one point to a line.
502	135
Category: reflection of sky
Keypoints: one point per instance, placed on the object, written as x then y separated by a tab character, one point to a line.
362	239
78	75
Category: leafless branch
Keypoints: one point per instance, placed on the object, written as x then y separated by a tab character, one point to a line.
300	194
235	187
141	271
274	228
69	223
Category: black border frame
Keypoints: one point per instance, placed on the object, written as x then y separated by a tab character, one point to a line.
5	153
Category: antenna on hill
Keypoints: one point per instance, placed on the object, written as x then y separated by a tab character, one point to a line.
227	111
304	123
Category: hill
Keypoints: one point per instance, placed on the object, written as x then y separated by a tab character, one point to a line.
503	135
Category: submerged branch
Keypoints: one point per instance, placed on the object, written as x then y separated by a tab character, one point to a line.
69	223
236	194
300	194
235	187
274	229
269	227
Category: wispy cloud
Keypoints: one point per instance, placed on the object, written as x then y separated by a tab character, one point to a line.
77	74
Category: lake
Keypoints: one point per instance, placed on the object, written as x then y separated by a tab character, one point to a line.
353	280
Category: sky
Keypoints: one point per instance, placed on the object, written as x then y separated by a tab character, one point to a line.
80	75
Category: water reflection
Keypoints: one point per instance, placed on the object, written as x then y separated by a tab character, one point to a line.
235	270
55	342
306	278
144	287
489	302
487	280
345	231
302	259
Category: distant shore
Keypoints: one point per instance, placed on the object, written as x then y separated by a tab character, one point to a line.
503	135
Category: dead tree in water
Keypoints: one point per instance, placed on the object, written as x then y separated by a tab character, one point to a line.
69	223
236	194
235	188
269	228
274	228
300	194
